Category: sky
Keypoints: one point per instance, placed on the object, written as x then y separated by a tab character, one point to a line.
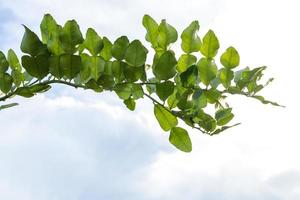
75	144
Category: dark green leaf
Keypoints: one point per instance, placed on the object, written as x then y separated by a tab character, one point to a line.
93	42
106	81
164	69
6	82
31	43
3	63
8	106
24	92
36	66
70	65
164	89
189	77
92	84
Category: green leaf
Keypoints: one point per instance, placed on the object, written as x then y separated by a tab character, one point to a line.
118	70
36	66
210	45
31	43
24	92
54	43
179	137
54	67
164	89
189	77
165	119
2	107
213	95
5	82
3	63
130	104
225	76
126	90
207	70
92	84
199	99
185	61
106	81
40	88
136	54
223	128
123	90
207	122
18	77
70	65
167	34
264	101
164	69
93	42
152	30
119	47
71	36
224	116
137	91
48	28
231	58
106	51
190	40
13	60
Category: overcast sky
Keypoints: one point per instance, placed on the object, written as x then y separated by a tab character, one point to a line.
74	144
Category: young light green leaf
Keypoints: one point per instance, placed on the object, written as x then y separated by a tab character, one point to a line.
191	42
165	119
230	58
164	69
185	61
18	77
13	60
106	50
179	137
136	54
152	30
70	36
210	45
225	77
130	104
93	42
48	28
167	34
119	47
207	70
